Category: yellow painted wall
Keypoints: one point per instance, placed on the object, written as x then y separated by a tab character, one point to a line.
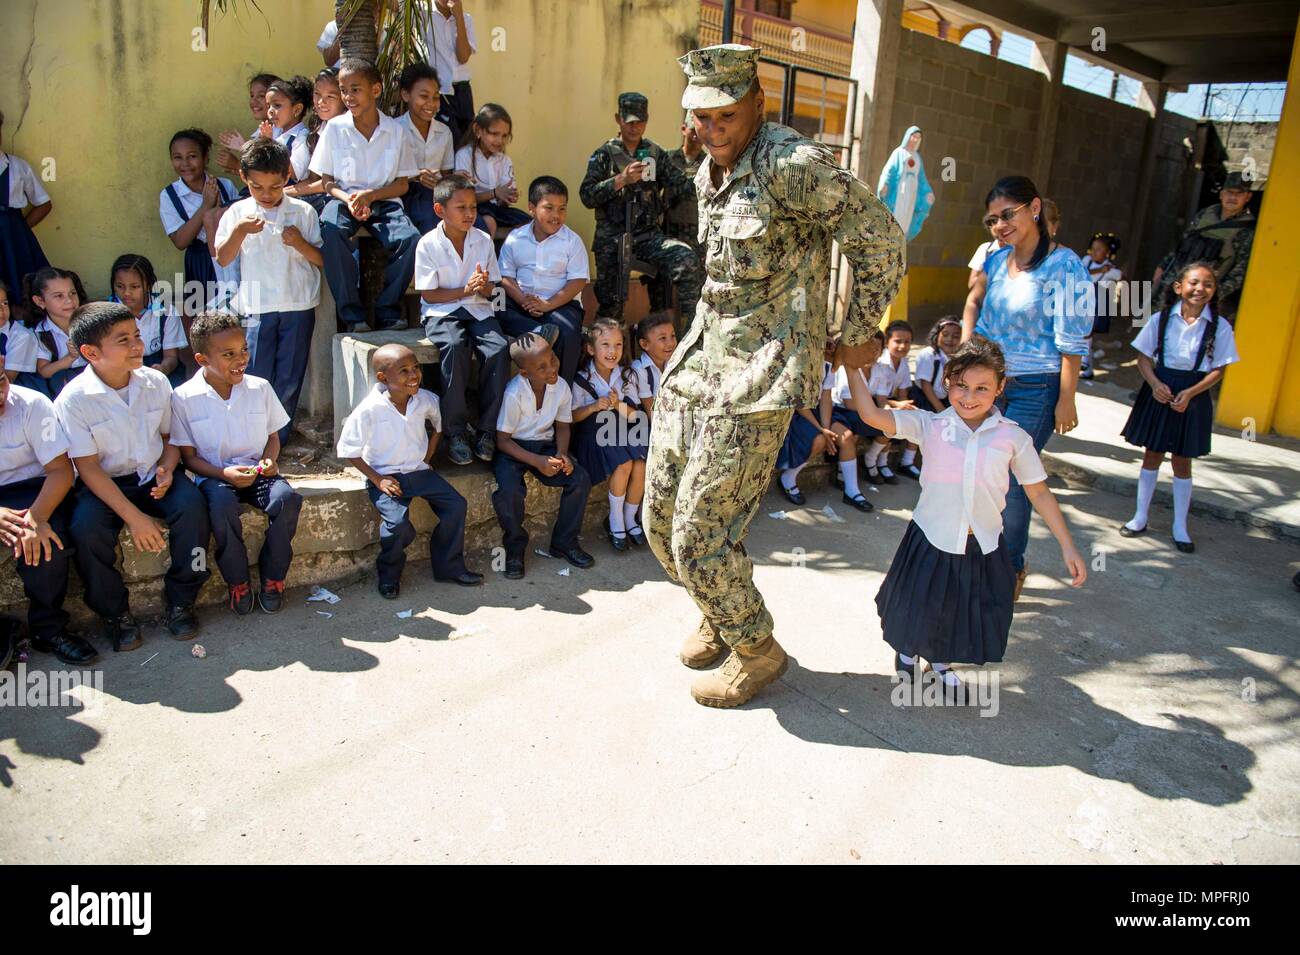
1265	386
107	82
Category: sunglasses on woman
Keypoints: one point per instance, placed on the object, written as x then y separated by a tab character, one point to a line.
1006	215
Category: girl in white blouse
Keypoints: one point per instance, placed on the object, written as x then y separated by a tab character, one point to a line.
949	594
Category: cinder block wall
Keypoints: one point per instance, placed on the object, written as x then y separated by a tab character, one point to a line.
983	113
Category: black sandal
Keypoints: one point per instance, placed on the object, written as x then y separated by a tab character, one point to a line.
793	495
860	502
1126	531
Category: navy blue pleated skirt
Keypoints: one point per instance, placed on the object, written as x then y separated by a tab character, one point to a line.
798	443
199	267
947	608
598	459
20	252
1157	427
917	394
853	421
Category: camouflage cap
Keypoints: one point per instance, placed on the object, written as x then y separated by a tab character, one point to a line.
718	75
633	107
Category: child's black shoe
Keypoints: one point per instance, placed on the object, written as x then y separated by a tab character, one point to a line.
389	591
458	450
123	633
241	599
270	596
182	623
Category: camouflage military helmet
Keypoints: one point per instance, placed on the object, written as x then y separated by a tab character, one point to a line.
718	75
633	107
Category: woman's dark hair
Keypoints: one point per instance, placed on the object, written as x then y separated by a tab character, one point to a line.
196	136
978	352
35	283
1021	190
414	72
298	89
1172	298
131	262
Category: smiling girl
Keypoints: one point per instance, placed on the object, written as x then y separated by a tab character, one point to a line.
949	593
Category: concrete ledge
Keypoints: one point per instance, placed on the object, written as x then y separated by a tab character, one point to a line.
337	541
352	376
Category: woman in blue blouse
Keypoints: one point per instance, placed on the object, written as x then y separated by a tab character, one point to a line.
1033	299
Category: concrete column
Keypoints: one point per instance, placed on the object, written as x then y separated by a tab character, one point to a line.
1152	99
1048	58
1263	391
877	35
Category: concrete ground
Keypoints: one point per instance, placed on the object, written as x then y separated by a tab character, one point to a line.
1150	717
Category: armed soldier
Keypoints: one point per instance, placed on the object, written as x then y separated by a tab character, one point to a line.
682	220
629	183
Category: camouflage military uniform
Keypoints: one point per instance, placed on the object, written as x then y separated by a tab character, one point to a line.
1225	242
673	257
754	354
682	220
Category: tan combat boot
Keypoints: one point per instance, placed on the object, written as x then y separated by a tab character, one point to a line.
702	647
746	671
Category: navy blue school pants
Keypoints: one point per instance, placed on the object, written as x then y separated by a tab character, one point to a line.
46	584
446	543
1029	401
389	224
508	500
567	318
95	527
459	335
277	351
275	498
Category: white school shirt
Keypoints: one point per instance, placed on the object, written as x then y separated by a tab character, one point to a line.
488	172
437	265
926	370
886	379
648	375
523	420
358	163
436	151
20	346
440	40
383	437
24	188
125	434
1182	341
543	268
30	435
226	432
965	474
328	36
60	344
190	202
629	389
161	328
295	140
984	250
272	276
840	394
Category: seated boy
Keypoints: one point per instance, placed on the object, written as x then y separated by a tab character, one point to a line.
455	274
35	477
117	415
533	435
385	439
226	424
543	270
364	162
658	341
277	240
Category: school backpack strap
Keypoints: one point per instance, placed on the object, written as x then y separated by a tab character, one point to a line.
176	203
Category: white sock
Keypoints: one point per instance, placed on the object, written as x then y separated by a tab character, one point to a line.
882	455
790	477
1146	490
616	514
849	471
1182	504
908	457
629	516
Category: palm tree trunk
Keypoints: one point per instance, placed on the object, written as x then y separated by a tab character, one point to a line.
358	37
